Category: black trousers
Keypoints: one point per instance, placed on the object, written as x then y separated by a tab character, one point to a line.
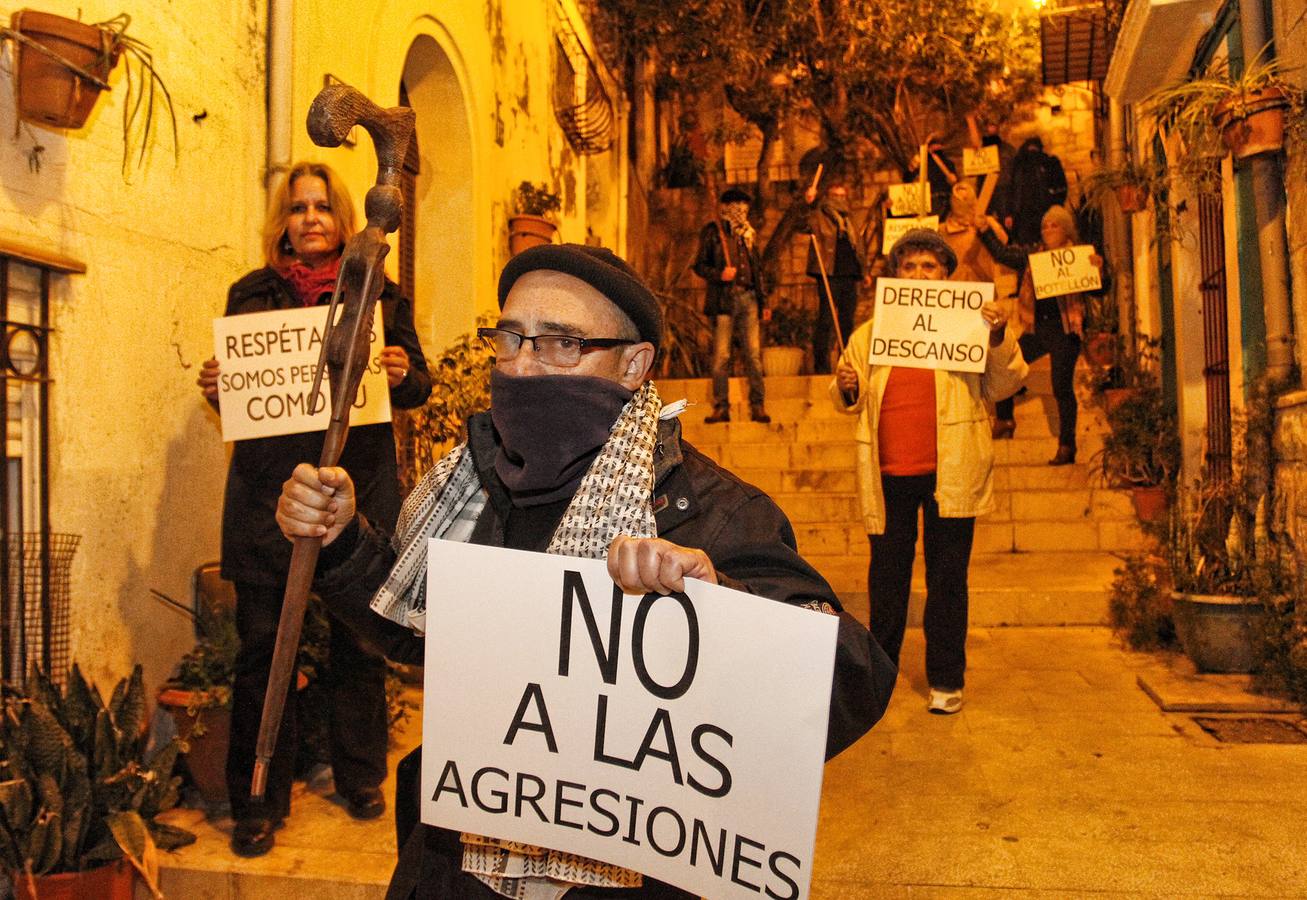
1063	350
947	545
844	291
356	684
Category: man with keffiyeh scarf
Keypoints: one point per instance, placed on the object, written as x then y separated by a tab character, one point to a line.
728	260
577	456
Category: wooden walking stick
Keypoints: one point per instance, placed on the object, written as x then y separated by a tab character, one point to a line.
830	300
345	346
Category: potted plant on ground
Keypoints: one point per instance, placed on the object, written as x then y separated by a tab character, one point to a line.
1099	347
199	700
61	65
78	792
1140	604
1141	450
529	227
787	330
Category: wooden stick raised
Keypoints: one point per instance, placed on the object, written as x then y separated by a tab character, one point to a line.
337	109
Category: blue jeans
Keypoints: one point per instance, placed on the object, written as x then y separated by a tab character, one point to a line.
742	324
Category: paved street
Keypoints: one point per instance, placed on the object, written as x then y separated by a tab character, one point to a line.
1060	777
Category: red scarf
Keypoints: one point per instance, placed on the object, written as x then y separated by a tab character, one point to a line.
310	284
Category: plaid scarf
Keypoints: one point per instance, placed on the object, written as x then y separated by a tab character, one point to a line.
613	498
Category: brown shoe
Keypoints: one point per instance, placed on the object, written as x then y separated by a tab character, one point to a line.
1004	428
1065	456
718	415
758	414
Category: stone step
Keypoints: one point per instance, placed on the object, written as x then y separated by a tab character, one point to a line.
1057	588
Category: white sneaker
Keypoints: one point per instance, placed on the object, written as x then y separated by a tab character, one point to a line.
944	703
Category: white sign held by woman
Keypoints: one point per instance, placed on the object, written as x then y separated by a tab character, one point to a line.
930	324
1067	270
678	736
267	361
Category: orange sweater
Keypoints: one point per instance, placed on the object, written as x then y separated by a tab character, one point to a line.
907	422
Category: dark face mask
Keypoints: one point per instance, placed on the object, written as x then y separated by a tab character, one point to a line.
551	427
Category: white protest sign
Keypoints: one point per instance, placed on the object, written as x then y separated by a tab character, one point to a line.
681	737
980	162
930	324
905	199
896	228
267	361
1064	271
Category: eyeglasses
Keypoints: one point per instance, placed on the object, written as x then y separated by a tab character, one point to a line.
562	350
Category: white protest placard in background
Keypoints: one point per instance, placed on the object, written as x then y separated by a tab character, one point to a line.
930	324
980	162
896	228
906	199
1067	270
682	737
266	362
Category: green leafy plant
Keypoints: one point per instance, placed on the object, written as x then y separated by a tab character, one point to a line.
1142	445
536	200
144	90
1102	186
1139	605
460	386
76	777
208	669
789	325
1195	112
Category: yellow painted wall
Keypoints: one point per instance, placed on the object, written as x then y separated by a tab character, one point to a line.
138	463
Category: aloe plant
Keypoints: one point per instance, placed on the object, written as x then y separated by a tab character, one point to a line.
74	773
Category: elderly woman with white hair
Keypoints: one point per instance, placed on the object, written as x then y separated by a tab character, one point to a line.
1052	326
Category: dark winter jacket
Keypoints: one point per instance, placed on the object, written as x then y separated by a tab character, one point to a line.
751	545
1038	182
711	260
253	548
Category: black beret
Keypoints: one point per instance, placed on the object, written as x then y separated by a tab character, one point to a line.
923	239
600	268
734	195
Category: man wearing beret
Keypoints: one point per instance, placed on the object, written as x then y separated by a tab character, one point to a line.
924	447
575	457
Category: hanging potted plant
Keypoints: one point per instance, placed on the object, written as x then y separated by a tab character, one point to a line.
1130	185
529	227
61	65
788	328
79	793
1247	115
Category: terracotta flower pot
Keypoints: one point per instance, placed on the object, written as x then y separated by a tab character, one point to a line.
782	360
1114	397
1217	631
1150	503
115	881
1098	349
51	94
1252	123
529	231
1132	198
206	758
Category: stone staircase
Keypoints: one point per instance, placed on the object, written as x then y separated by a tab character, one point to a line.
1043	557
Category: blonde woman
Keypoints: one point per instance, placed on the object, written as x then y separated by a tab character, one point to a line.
309	219
1053	326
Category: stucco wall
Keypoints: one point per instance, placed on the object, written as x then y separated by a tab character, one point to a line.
137	463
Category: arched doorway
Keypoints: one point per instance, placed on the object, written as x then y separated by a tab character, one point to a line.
442	238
